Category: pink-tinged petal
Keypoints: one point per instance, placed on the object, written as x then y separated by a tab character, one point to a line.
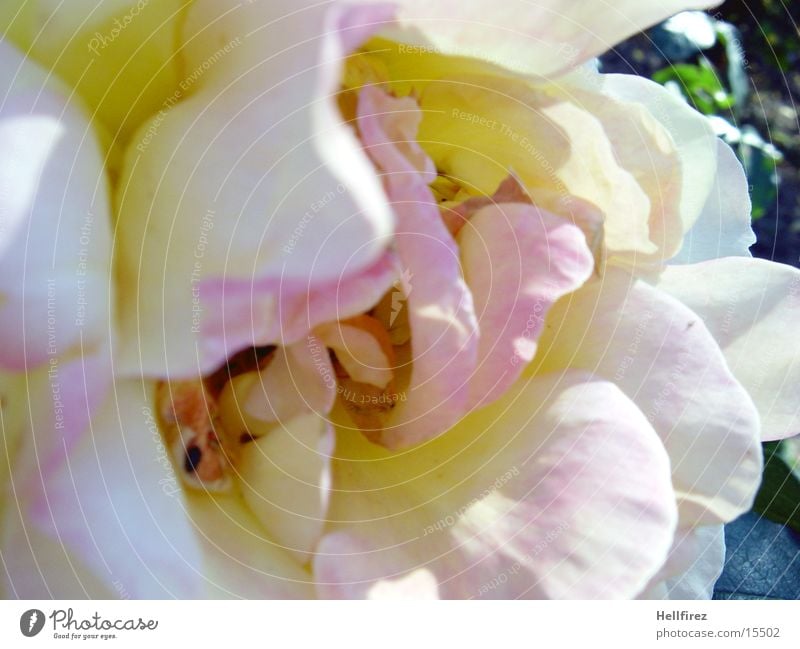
110	507
239	313
285	478
298	379
118	56
724	227
561	489
251	175
111	520
518	260
440	309
694	564
534	37
388	126
55	239
663	357
751	307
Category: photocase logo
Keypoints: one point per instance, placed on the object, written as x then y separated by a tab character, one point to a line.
31	622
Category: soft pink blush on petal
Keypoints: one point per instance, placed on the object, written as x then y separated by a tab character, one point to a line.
752	308
443	325
663	357
583	507
240	313
260	141
518	260
111	505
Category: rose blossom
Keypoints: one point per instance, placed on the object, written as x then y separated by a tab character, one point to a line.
372	300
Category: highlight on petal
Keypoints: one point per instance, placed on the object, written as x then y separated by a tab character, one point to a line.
751	307
651	153
285	480
518	260
560	489
534	37
253	177
723	228
663	357
298	379
55	240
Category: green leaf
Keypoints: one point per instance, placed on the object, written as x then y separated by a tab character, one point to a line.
778	499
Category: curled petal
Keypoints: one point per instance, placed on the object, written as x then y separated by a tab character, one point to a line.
239	313
119	56
298	379
239	558
440	309
106	507
285	480
695	562
518	260
363	349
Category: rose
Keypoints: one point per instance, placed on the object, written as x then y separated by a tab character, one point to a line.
525	222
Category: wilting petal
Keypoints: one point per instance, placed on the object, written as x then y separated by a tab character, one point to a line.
285	480
723	228
55	239
253	177
752	308
299	379
440	309
694	564
663	357
537	37
560	489
518	260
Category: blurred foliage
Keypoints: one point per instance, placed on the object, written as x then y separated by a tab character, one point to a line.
699	84
707	67
777	31
778	499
